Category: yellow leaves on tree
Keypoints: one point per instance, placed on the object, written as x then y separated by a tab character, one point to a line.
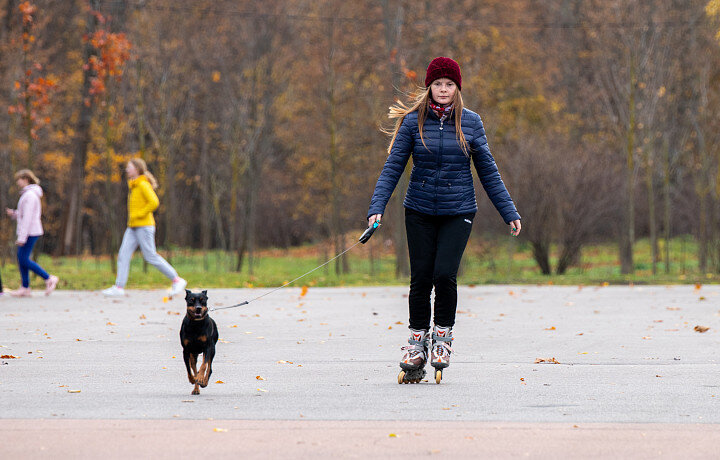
713	10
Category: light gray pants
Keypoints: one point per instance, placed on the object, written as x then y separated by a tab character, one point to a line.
145	238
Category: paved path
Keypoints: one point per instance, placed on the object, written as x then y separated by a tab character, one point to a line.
627	356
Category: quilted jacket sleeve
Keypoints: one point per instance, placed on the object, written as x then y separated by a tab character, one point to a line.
490	175
150	199
393	169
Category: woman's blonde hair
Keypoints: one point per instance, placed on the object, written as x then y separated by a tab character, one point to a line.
421	104
28	176
142	168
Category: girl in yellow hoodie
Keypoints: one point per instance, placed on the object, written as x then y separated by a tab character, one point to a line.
142	201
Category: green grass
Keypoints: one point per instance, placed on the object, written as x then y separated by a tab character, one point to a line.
506	261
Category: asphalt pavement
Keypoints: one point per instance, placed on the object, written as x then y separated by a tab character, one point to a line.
326	359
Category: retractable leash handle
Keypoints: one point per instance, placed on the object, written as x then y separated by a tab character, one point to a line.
369	232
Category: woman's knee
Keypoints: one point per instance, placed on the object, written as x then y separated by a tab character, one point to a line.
444	278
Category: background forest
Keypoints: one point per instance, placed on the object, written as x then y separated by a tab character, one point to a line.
262	120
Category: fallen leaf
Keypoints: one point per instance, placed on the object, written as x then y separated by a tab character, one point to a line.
73	391
698	286
142	317
110	323
219	381
260	389
9	357
219	430
392	435
399	322
702	298
165	299
257	377
550	328
673	308
647	337
303	291
701	329
546	360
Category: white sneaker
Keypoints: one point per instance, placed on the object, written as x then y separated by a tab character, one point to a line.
114	291
178	287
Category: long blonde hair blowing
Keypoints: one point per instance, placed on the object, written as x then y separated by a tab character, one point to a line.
421	104
142	168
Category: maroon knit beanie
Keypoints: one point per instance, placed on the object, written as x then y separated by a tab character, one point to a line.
443	67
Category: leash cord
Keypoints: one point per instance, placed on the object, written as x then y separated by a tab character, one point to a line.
289	282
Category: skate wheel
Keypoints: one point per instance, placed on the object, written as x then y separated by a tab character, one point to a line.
438	376
401	377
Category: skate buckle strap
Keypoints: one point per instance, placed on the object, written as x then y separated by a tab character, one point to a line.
441	338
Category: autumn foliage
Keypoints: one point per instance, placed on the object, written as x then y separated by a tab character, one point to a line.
264	119
112	52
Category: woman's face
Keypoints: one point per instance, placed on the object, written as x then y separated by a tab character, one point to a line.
131	170
443	90
22	182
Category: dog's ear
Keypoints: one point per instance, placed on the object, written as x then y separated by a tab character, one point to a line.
187	293
205	293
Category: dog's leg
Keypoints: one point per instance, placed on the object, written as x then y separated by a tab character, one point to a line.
206	368
193	366
187	358
202	378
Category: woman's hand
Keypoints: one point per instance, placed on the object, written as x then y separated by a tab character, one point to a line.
374	218
10	212
515	227
19	244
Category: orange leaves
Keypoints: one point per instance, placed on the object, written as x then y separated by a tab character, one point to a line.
9	357
33	100
215	76
546	360
27	10
701	329
304	291
112	52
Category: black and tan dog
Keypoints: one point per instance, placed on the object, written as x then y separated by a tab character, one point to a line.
198	334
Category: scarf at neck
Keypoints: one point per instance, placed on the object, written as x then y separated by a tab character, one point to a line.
442	112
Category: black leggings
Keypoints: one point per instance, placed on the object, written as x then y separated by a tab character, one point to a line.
436	245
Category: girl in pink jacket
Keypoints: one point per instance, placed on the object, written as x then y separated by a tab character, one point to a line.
29	229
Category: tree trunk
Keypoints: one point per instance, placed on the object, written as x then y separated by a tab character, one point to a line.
73	216
626	243
666	199
541	254
393	21
651	207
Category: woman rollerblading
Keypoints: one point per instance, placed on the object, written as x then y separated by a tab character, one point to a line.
444	140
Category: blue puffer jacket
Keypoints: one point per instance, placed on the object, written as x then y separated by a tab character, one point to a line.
441	181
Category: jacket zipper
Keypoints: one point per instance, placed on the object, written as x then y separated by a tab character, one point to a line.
439	165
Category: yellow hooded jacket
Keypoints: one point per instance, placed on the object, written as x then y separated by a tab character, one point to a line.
142	201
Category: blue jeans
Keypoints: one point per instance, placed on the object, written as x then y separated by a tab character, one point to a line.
25	264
